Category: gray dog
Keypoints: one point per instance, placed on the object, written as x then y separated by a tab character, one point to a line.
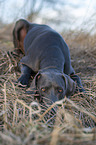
48	57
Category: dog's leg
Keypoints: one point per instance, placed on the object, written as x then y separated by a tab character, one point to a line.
25	75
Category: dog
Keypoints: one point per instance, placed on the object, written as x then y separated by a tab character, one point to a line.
47	57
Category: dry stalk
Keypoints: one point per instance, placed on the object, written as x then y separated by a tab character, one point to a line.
9	139
54	136
5	104
31	111
80	109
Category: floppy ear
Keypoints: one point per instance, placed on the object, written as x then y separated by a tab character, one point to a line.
70	85
33	86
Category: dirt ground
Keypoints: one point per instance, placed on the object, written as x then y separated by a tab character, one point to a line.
75	120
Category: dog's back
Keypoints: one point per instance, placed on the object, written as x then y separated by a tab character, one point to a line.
44	47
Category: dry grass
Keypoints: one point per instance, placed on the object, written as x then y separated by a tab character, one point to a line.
69	121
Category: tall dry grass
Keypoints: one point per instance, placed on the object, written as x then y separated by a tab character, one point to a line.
24	120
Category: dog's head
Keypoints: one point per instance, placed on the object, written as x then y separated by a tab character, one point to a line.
53	86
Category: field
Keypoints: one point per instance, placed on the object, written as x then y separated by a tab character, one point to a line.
69	121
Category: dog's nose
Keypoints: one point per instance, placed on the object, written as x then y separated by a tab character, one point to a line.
53	97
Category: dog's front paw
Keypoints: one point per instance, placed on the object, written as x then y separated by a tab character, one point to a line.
23	81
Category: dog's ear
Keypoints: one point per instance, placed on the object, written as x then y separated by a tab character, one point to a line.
70	85
37	77
33	86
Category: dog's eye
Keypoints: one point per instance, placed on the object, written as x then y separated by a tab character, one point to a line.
43	89
60	90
